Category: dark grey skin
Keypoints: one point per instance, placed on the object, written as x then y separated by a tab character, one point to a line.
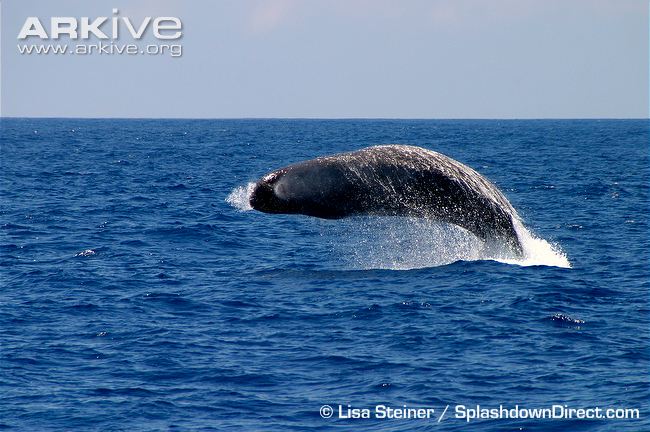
391	180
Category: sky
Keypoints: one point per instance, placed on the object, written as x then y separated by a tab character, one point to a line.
340	59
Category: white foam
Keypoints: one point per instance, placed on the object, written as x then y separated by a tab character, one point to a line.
538	251
240	196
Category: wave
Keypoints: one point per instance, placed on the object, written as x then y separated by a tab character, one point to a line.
406	243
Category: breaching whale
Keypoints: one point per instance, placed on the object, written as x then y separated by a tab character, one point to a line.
391	180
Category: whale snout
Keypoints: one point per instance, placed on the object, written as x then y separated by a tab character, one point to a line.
264	199
261	196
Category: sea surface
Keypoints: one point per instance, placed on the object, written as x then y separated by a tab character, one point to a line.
138	292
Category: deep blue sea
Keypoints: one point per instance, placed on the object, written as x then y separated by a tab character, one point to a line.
137	292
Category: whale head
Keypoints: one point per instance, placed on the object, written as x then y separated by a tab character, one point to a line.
313	189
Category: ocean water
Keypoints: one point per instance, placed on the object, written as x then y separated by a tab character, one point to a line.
137	291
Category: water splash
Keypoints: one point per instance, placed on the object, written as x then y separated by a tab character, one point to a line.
239	197
399	243
538	251
405	243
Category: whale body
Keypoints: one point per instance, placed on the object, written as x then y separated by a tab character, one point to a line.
391	180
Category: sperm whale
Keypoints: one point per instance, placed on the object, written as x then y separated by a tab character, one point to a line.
391	180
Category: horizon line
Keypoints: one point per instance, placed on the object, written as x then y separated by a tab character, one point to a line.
318	118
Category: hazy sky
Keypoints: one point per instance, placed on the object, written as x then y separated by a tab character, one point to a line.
344	58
